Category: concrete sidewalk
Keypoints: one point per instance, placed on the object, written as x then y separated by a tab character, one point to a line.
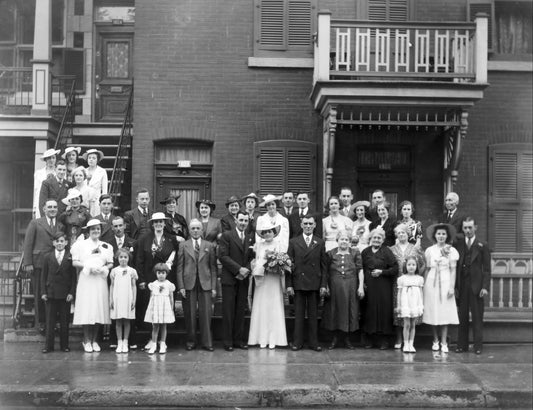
501	377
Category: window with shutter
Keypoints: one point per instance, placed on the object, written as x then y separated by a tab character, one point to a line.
388	10
511	198
284	27
74	64
483	6
283	165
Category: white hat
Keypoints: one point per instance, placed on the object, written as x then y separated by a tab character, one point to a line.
50	153
70	149
270	198
72	193
158	216
263	225
99	153
93	222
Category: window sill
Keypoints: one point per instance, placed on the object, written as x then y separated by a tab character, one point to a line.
280	62
497	65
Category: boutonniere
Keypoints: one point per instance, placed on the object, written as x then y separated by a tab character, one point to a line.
96	251
104	246
161	288
480	244
314	242
206	250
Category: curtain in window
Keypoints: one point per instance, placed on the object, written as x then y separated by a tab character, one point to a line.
514	28
186	202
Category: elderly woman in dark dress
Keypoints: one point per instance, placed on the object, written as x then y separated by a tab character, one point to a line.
380	270
345	283
75	216
175	224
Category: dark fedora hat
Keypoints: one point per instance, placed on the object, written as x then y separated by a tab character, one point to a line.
207	202
169	198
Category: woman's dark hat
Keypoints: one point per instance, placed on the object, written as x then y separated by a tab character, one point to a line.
232	199
206	202
450	229
169	198
253	196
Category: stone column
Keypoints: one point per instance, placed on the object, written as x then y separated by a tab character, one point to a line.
42	58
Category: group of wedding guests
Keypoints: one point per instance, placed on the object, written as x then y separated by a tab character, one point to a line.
368	267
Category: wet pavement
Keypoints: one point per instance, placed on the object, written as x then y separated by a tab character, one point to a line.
500	377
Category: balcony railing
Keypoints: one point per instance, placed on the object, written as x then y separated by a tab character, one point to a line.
358	50
511	282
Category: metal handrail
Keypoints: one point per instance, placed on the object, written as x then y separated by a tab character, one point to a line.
67	121
17	292
123	148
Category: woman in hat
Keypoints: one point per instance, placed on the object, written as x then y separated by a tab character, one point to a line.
71	156
154	247
49	157
385	221
176	224
228	221
380	269
440	309
361	225
251	202
89	195
212	226
96	175
93	260
274	218
402	250
75	216
334	223
267	321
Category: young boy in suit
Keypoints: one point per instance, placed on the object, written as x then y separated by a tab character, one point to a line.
58	277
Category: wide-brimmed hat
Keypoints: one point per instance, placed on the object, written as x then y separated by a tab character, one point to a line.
77	150
366	204
169	198
158	216
270	198
99	153
253	196
264	225
50	153
93	222
450	229
232	199
206	202
72	193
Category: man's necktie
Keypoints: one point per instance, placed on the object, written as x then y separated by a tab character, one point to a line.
120	243
468	242
59	258
196	248
449	216
307	240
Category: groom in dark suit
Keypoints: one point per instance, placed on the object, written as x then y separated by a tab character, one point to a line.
55	187
235	255
137	219
307	282
472	285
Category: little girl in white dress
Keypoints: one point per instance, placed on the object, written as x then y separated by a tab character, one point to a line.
160	308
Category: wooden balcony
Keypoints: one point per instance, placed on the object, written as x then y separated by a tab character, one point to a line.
416	64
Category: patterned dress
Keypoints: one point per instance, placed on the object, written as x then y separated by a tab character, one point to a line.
159	308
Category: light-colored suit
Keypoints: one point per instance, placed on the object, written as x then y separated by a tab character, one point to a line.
197	274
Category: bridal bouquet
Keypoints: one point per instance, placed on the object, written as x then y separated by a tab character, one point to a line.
277	262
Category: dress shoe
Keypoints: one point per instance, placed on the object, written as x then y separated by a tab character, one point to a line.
316	348
333	344
66	349
459	350
478	351
162	347
383	346
208	348
190	346
45	350
368	346
444	348
228	348
294	348
348	344
96	347
87	347
242	346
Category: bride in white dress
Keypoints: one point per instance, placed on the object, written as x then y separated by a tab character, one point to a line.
267	323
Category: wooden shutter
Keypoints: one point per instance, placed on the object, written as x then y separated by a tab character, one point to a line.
510	199
74	64
285	25
483	6
283	165
388	10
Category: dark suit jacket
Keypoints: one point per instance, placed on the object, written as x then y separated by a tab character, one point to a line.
253	222
351	212
295	223
207	266
228	223
52	189
214	228
457	221
388	227
179	219
282	211
58	280
134	228
233	254
107	228
479	266
145	260
128	243
38	241
309	264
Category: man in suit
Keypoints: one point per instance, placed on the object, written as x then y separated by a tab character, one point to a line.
55	187
197	278
38	242
58	278
307	282
472	285
235	255
106	216
295	219
452	215
346	198
378	198
137	219
288	204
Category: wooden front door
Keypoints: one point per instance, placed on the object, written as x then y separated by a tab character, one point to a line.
113	71
189	191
